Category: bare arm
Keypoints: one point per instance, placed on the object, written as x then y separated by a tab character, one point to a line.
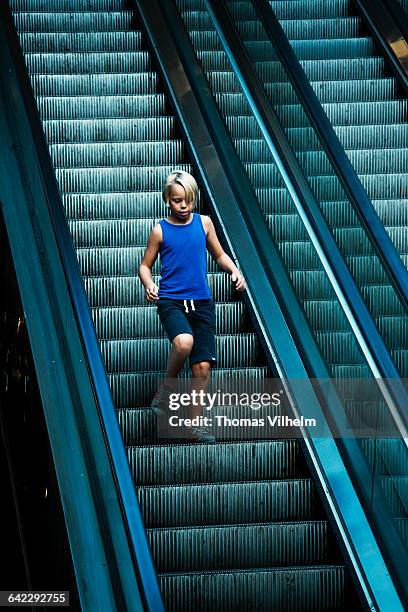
223	260
149	258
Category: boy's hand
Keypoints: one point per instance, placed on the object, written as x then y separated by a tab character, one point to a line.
152	293
238	280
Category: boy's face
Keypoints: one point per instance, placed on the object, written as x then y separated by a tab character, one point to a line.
179	207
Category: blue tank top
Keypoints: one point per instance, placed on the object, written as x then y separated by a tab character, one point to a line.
184	261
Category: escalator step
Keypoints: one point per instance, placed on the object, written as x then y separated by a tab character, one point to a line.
87	63
342	113
317	49
94	84
73	22
340	347
239	546
389	456
361	137
109	130
199	23
311	588
107	154
81	42
215	503
89	107
232	462
66	5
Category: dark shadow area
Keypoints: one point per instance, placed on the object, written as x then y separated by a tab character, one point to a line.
35	551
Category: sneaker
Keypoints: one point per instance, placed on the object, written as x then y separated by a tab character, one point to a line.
200	434
160	402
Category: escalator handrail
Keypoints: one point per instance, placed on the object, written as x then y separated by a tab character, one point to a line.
124	487
388	24
341	164
276	313
361	321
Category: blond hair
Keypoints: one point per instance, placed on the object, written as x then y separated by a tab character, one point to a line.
179	177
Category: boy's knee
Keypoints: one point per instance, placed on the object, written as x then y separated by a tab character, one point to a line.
183	343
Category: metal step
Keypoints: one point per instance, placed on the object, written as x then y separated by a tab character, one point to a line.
232	462
109	130
80	42
73	21
261	590
239	546
104	62
94	84
233	503
88	107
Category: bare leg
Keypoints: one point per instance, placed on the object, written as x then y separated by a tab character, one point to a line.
180	350
201	378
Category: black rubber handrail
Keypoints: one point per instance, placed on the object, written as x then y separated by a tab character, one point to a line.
341	164
32	152
388	24
272	303
274	135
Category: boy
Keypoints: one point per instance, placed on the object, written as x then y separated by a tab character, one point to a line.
184	301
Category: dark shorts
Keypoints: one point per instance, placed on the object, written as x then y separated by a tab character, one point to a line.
199	322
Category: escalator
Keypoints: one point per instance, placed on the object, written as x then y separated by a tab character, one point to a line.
96	126
318	298
231	524
374	132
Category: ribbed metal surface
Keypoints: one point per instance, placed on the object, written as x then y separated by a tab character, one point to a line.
72	64
109	130
188	463
89	155
387	456
239	505
80	42
73	21
237	502
240	546
88	107
66	5
256	590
